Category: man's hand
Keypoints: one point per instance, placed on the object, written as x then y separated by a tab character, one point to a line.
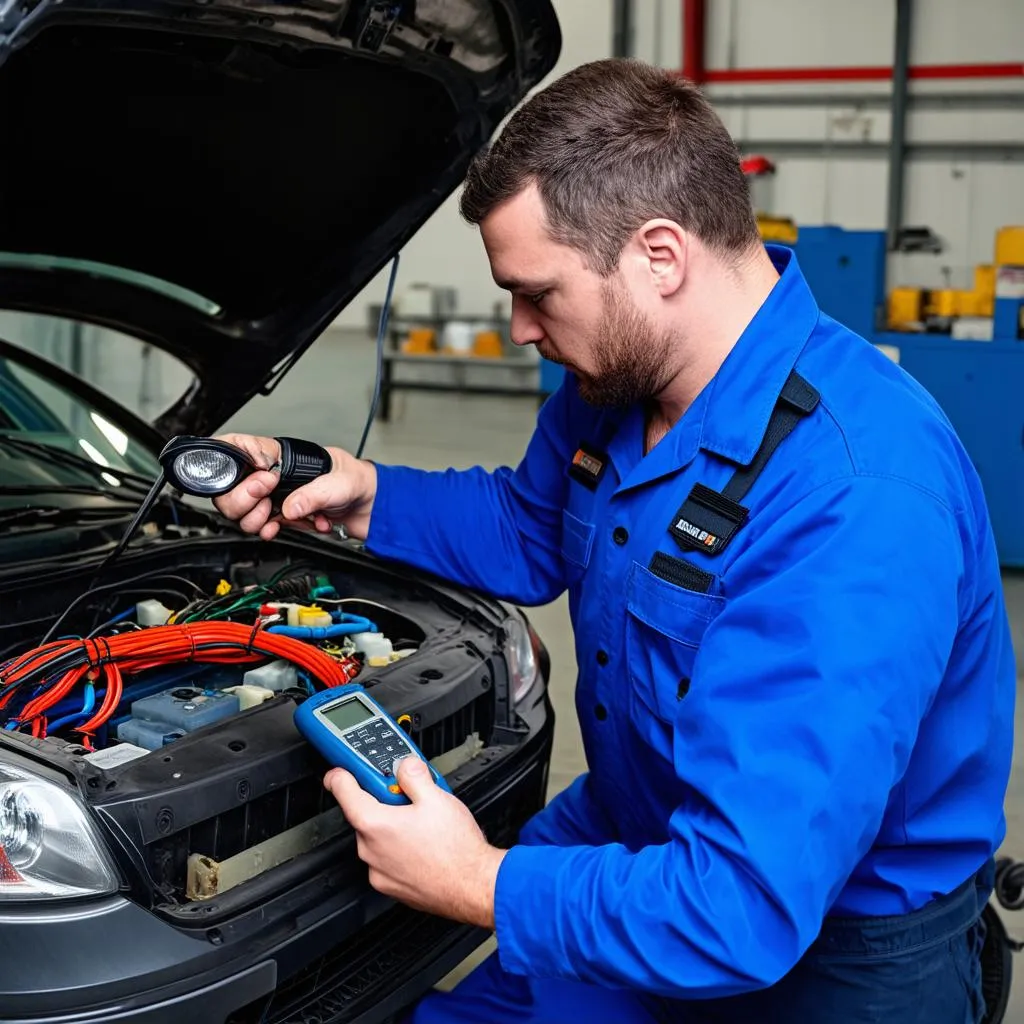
429	854
343	496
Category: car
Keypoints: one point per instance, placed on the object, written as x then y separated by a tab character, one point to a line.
214	180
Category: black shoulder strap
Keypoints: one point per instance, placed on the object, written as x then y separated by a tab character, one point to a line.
708	519
797	400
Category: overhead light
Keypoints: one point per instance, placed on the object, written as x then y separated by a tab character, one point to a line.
93	452
118	438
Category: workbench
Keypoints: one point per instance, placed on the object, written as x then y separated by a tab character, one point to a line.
462	372
467	368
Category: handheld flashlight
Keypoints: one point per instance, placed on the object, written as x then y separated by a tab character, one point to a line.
206	467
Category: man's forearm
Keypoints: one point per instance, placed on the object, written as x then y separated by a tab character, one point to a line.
487	531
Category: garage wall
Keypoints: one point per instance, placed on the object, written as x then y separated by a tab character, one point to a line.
447	252
964	195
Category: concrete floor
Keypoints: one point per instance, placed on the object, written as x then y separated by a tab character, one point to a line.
326	398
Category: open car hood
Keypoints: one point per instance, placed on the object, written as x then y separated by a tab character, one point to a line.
221	177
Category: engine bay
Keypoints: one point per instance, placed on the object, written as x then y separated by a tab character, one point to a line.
185	657
166	697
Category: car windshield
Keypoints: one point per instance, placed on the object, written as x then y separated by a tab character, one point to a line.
52	435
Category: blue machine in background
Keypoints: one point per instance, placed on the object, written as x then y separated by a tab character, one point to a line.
979	384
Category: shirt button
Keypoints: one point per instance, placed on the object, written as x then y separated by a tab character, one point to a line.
601	712
620	535
602	657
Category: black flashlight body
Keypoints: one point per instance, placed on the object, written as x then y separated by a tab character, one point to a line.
300	462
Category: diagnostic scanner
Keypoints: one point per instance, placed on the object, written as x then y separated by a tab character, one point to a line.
352	731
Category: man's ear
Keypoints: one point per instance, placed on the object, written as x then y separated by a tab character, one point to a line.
663	247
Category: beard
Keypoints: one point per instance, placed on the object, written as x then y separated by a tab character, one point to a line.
631	358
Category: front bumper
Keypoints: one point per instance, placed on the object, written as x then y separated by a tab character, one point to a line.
354	956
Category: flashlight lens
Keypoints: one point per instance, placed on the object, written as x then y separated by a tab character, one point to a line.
205	471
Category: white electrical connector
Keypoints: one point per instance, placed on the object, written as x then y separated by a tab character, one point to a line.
275	675
152	612
249	696
373	646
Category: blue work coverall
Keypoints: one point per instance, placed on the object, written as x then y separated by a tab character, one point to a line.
805	718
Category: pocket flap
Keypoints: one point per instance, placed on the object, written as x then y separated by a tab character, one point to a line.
674	611
577	539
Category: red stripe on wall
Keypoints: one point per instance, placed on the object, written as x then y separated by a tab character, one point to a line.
861	74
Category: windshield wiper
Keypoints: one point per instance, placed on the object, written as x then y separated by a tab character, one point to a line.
51	515
62	457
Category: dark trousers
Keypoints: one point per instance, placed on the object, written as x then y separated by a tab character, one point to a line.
919	968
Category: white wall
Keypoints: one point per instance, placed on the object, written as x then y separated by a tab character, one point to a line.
446	251
963	200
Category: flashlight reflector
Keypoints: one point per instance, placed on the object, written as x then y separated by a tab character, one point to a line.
205	470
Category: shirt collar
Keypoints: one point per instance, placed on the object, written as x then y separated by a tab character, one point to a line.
743	393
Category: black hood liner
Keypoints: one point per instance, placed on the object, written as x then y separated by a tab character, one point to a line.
270	177
251	169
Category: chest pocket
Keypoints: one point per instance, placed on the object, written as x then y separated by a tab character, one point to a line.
577	545
665	625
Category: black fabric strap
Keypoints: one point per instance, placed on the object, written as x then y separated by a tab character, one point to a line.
680	573
797	400
708	520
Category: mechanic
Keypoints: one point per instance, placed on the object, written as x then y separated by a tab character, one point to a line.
796	684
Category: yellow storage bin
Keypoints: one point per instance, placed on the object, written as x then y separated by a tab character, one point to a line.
419	341
487	345
1010	247
905	306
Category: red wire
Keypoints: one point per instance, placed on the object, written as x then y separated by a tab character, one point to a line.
157	647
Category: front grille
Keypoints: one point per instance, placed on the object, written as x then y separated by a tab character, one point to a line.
363	969
233	831
240	828
476	716
355	974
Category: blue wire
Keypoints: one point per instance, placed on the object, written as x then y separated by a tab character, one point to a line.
382	327
324	632
78	716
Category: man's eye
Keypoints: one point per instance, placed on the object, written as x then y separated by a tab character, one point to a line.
536	299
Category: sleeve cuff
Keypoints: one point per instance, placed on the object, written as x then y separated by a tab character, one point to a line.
390	530
527	914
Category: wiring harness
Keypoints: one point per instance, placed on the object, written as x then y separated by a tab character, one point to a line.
40	678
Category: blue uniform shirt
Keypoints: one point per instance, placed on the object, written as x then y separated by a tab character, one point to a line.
818	721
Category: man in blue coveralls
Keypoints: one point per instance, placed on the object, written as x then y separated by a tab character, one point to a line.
796	683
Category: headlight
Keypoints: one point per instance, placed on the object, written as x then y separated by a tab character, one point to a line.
48	848
521	656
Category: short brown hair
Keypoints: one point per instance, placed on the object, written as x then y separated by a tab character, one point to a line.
611	145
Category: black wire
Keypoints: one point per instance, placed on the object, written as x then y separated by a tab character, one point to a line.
382	327
147	504
119	584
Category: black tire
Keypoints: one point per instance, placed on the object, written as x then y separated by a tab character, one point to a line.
996	966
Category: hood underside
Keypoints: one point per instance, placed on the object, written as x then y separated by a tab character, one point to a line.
221	177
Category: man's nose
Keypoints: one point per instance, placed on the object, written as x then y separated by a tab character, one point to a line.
525	328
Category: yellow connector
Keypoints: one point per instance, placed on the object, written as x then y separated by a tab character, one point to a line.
223	588
310	615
